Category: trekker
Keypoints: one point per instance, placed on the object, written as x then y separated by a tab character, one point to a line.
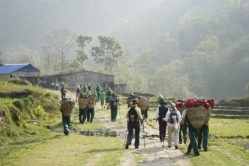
108	95
192	135
98	92
173	118
113	105
134	118
90	105
160	114
183	126
102	99
66	110
63	92
77	92
82	107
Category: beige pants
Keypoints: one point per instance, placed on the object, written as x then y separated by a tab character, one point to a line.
172	130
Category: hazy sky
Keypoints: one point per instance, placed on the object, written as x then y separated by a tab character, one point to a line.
27	22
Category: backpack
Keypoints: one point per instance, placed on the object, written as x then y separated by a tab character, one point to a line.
172	113
162	112
113	103
132	115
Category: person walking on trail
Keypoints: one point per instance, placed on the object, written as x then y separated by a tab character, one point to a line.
91	103
66	110
160	114
63	92
173	118
183	126
113	105
134	118
192	135
98	92
82	107
102	99
77	92
108	95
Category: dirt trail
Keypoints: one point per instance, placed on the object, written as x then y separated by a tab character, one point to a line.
153	151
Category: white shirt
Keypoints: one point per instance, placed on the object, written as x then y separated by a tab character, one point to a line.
179	117
157	113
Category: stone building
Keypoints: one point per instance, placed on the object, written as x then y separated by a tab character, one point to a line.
72	79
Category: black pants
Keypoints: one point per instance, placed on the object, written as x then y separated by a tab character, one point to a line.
82	115
203	136
66	124
90	115
193	141
183	133
114	114
162	129
133	126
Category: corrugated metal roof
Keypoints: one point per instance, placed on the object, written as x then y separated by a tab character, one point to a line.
10	68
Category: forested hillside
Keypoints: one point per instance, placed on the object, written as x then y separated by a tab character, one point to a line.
196	47
179	48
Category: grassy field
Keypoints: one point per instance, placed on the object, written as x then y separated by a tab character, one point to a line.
43	142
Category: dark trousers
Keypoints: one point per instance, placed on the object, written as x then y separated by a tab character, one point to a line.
203	136
90	115
145	113
82	115
183	133
193	141
63	96
114	114
162	129
133	126
66	124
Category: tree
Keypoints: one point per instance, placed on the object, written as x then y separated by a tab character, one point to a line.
107	53
61	44
81	54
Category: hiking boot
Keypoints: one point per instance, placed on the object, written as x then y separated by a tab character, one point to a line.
66	132
205	149
127	146
136	147
176	147
197	154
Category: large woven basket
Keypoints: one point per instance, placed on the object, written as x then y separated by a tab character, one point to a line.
91	102
83	103
67	107
208	114
143	104
196	116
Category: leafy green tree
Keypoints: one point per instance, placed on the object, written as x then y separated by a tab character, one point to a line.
82	42
107	53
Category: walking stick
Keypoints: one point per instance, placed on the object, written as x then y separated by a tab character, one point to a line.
125	138
163	143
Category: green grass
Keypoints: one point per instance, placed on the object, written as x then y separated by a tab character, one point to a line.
229	127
